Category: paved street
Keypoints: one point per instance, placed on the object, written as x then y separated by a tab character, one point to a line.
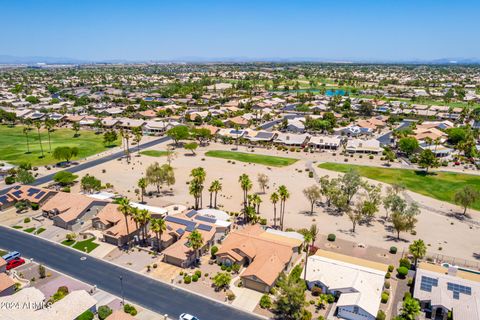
142	290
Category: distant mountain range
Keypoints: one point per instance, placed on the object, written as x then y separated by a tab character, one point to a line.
33	60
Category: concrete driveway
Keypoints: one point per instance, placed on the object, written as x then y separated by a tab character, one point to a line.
246	299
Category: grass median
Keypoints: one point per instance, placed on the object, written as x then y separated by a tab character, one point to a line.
252	158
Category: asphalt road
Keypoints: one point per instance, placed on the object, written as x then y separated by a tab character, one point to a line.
142	290
93	163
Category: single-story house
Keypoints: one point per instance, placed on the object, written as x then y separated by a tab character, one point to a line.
363	146
325	142
3	265
30	194
70	211
256	136
264	254
112	223
291	139
440	290
357	282
7	285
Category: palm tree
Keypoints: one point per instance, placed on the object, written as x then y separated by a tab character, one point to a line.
196	241
216	186
135	215
49	125
251	214
38	125
76	128
137	132
246	185
195	189
314	233
125	208
158	226
418	250
284	195
25	132
142	184
145	218
199	175
307	238
254	201
274	199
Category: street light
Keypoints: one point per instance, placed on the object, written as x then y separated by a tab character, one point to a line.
121	287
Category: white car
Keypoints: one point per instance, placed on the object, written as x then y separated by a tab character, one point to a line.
186	316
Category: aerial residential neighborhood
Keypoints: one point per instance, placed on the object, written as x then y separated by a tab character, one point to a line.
209	160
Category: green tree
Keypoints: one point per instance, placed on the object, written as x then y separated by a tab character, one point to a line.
350	183
246	185
24	176
38	125
192	146
410	309
466	196
408	145
195	241
274	198
76	128
126	210
284	195
427	160
215	187
137	136
109	137
404	217
222	280
262	179
142	184
64	178
290	303
65	153
417	249
104	312
50	126
90	184
26	130
158	226
313	194
178	133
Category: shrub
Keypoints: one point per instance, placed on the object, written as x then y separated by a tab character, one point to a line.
128	308
407	295
213	251
385	297
316	291
263	221
393	250
402	272
330	298
273	291
387	284
104	312
387	275
194	278
409	282
66	189
310	174
265	302
405	262
370	157
10	180
87	315
26	220
231	296
198	273
187	279
390	268
34	206
381	315
331	237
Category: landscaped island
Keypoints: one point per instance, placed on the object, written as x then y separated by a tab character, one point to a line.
14	148
252	158
438	185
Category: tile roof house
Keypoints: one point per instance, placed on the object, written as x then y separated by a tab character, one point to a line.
112	223
3	265
358	282
291	139
28	193
70	211
265	255
325	142
7	285
441	290
363	146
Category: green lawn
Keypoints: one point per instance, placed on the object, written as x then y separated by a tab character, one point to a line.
30	230
68	242
438	185
154	153
40	230
89	244
13	144
252	158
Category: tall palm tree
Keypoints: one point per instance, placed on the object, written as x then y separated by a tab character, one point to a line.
284	195
195	189
307	239
125	208
135	215
38	125
274	199
216	186
158	226
142	184
137	135
199	175
145	218
49	125
314	233
246	185
26	130
417	249
196	242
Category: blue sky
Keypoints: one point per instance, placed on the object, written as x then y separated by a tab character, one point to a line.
149	30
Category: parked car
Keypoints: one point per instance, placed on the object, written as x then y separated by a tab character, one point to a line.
11	255
12	264
186	316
